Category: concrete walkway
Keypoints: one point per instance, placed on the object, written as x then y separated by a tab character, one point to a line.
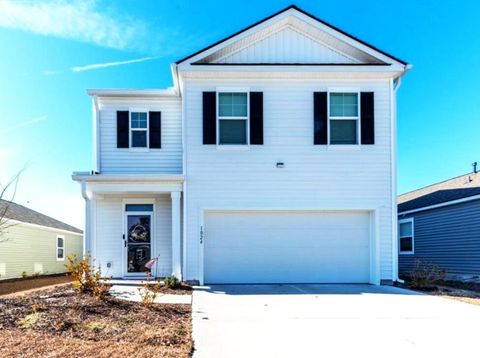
132	293
330	321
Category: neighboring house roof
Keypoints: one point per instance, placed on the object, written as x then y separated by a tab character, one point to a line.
23	214
470	180
298	10
437	197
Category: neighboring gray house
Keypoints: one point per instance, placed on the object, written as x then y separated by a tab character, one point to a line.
441	224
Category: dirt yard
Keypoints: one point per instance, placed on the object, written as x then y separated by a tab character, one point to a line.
24	284
459	294
59	322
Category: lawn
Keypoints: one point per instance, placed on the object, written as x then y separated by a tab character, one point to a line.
60	322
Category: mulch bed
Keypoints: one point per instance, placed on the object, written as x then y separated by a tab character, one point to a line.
183	289
22	284
60	322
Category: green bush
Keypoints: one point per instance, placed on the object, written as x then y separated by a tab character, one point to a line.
171	282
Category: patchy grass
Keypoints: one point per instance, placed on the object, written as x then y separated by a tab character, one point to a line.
61	323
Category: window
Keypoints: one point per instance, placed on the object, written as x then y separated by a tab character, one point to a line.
60	248
344	118
139	129
139	207
405	236
232	118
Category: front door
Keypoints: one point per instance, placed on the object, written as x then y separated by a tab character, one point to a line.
137	242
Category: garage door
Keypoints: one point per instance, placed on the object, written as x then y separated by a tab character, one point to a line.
286	247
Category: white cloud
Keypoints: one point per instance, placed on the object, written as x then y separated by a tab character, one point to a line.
97	66
74	20
23	124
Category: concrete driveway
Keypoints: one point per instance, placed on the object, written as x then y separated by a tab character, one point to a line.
330	321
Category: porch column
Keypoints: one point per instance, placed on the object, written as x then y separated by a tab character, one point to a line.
176	243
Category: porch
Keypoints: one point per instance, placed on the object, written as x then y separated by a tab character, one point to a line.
131	219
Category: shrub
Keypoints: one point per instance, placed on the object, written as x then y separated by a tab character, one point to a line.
171	282
426	274
149	291
24	274
86	278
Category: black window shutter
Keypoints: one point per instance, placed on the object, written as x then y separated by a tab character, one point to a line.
155	129
122	129
367	118
209	118
320	117
256	117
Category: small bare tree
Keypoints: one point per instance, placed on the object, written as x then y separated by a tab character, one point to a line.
10	189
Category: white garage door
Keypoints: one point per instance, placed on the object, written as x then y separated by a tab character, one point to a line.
286	247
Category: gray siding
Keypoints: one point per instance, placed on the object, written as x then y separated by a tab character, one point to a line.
449	237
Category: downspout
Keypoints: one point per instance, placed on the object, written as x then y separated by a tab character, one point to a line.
395	84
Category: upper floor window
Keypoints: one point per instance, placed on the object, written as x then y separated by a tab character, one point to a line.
344	119
60	248
405	236
139	129
233	118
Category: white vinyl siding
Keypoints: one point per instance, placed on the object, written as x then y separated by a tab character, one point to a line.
166	160
312	177
287	45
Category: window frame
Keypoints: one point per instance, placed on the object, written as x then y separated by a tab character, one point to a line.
131	130
349	118
58	247
405	221
219	118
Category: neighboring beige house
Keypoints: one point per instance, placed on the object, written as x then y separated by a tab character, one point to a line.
33	243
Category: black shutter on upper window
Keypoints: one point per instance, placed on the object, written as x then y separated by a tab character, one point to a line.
122	129
209	118
320	117
155	129
256	117
367	118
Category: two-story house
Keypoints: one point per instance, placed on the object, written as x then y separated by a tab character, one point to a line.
271	160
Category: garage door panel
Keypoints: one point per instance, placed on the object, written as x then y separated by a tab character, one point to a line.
282	247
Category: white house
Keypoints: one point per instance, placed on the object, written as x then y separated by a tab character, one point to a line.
271	160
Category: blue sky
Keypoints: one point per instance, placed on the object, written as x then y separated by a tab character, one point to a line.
50	52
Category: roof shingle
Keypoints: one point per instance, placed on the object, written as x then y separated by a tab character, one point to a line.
21	213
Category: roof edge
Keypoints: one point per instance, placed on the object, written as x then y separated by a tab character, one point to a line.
304	13
110	92
439	205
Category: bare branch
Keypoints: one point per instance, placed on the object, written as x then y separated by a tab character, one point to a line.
9	188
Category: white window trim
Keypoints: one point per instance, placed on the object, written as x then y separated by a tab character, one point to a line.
130	130
403	221
357	118
58	247
246	118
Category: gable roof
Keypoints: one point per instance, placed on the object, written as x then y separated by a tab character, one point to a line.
293	7
438	197
23	214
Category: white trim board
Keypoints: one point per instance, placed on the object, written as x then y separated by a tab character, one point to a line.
44	227
440	205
